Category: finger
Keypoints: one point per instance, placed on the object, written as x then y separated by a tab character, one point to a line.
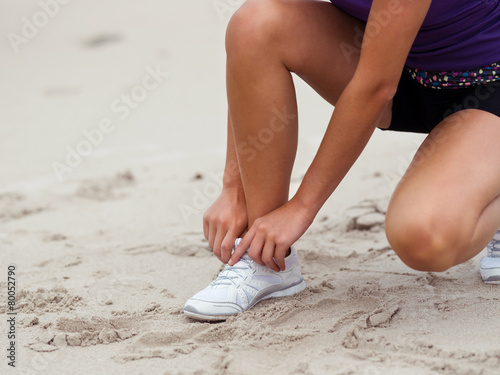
212	232
242	247
221	233
268	256
227	245
280	255
255	249
206	231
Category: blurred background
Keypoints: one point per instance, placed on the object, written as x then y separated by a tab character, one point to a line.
66	78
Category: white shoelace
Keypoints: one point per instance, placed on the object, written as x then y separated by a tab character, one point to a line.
230	274
494	246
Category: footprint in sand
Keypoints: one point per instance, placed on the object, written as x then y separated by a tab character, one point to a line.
106	188
87	332
187	244
47	300
102	40
164	345
383	315
380	317
17	206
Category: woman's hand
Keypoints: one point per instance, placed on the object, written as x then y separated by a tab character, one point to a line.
270	236
224	221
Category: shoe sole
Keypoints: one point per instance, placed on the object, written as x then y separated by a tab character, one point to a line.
490	275
279	293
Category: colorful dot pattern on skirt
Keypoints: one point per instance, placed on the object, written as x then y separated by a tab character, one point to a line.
456	80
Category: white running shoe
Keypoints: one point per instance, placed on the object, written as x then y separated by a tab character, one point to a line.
490	264
241	286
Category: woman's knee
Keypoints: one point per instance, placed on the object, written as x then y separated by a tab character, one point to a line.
255	24
420	242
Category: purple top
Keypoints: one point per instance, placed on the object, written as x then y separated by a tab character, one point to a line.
455	35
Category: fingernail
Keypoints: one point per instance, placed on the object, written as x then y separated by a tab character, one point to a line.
230	262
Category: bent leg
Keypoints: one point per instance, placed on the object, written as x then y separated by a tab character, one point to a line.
266	41
446	208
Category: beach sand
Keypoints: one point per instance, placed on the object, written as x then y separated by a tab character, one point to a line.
102	197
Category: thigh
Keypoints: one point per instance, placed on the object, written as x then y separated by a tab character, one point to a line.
324	46
452	184
314	39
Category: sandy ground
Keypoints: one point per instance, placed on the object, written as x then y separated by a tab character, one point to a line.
107	252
